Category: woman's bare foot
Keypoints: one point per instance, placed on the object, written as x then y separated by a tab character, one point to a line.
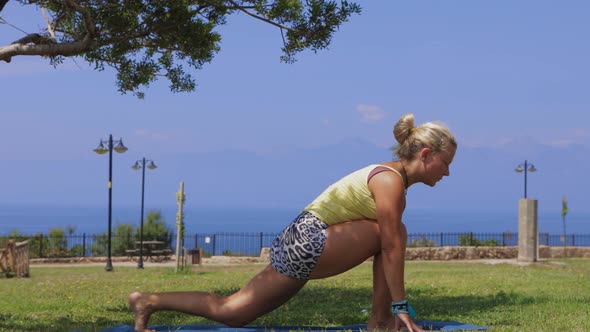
142	310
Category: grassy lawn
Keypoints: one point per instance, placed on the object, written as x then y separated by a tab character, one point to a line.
541	297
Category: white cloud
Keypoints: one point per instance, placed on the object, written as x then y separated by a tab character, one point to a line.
567	138
562	143
370	113
582	133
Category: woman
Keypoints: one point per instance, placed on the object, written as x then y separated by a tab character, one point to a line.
363	211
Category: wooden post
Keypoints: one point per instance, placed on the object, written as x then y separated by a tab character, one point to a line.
14	260
179	223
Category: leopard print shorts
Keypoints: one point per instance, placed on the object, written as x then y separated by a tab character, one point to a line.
297	249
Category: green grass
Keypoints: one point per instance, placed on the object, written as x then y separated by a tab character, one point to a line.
541	297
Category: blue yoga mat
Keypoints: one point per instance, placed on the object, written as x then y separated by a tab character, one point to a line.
426	325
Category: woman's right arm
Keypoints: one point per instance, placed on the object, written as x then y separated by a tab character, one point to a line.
389	194
388	191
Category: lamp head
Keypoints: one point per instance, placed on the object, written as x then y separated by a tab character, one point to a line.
101	149
532	168
519	169
152	165
136	166
120	148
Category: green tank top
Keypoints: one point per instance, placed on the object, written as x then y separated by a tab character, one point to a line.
347	199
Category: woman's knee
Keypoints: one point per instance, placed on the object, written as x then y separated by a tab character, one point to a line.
231	315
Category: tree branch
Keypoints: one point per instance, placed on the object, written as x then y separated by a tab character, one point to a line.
34	38
2	4
35	44
50	27
88	21
22	47
264	19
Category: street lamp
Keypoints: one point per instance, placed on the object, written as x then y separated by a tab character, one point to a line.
524	168
120	148
137	167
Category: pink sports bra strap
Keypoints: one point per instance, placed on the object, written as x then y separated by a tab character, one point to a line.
378	170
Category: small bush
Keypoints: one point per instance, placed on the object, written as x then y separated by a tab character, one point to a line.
423	241
469	240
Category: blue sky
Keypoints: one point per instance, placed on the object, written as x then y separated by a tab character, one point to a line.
497	72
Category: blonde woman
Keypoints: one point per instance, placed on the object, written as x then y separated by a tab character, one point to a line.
363	211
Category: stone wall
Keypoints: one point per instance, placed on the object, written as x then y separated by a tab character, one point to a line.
452	253
557	252
423	253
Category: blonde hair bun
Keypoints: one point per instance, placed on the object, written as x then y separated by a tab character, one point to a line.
403	128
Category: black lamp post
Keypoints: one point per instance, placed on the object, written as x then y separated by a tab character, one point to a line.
120	148
137	167
524	168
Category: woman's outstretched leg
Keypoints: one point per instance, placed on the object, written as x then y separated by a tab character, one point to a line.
263	293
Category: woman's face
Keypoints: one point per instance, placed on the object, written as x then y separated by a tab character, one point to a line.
436	165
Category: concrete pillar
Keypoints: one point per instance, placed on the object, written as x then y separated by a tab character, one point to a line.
528	233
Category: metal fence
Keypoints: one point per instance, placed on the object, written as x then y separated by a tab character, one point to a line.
230	244
505	239
250	244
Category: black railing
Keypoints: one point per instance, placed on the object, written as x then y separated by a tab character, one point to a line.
250	244
462	239
505	239
230	244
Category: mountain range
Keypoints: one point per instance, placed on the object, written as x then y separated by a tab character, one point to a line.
482	178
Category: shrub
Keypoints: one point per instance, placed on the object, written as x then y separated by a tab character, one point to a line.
58	244
423	241
470	240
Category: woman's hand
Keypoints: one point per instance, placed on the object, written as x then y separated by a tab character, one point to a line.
404	320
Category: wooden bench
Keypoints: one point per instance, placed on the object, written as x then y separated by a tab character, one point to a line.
160	255
132	253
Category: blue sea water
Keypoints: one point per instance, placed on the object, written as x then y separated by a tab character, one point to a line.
93	220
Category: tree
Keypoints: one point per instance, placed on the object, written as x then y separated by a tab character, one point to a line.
123	239
145	39
39	246
58	244
155	228
99	245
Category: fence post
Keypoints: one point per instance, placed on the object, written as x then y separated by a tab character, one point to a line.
441	239
546	239
196	240
260	241
573	240
214	240
83	244
471	238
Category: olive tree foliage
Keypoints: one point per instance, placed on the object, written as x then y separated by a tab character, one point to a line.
147	39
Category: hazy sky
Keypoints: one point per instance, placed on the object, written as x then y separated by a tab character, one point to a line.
494	71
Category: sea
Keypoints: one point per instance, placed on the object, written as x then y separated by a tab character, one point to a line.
34	219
